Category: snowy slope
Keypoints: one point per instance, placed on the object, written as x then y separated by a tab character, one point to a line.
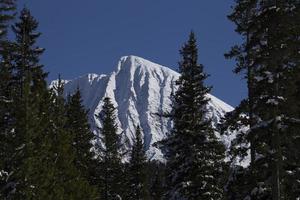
140	90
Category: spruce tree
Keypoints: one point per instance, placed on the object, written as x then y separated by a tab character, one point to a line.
270	30
29	89
243	116
7	9
290	145
77	123
109	151
292	153
67	180
195	157
156	173
137	177
43	160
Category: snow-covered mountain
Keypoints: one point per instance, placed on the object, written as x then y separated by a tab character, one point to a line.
140	90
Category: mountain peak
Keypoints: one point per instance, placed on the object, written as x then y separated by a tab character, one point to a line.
141	92
133	62
133	59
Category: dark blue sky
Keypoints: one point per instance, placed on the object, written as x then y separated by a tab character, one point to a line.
83	36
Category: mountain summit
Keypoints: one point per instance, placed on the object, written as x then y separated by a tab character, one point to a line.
140	90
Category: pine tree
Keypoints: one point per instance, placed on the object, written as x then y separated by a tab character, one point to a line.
110	154
195	157
137	178
77	123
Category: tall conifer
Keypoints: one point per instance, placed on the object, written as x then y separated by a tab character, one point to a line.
270	49
44	156
30	88
77	123
110	154
7	8
67	180
137	177
156	173
194	155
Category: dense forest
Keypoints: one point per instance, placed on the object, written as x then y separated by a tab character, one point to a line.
46	143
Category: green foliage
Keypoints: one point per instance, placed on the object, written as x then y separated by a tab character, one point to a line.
6	102
137	177
112	169
68	181
39	162
78	126
269	58
30	90
156	179
195	158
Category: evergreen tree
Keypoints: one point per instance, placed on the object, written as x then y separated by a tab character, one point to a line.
195	157
110	154
28	69
29	89
43	160
243	116
77	122
292	153
6	103
67	180
270	49
156	173
137	178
